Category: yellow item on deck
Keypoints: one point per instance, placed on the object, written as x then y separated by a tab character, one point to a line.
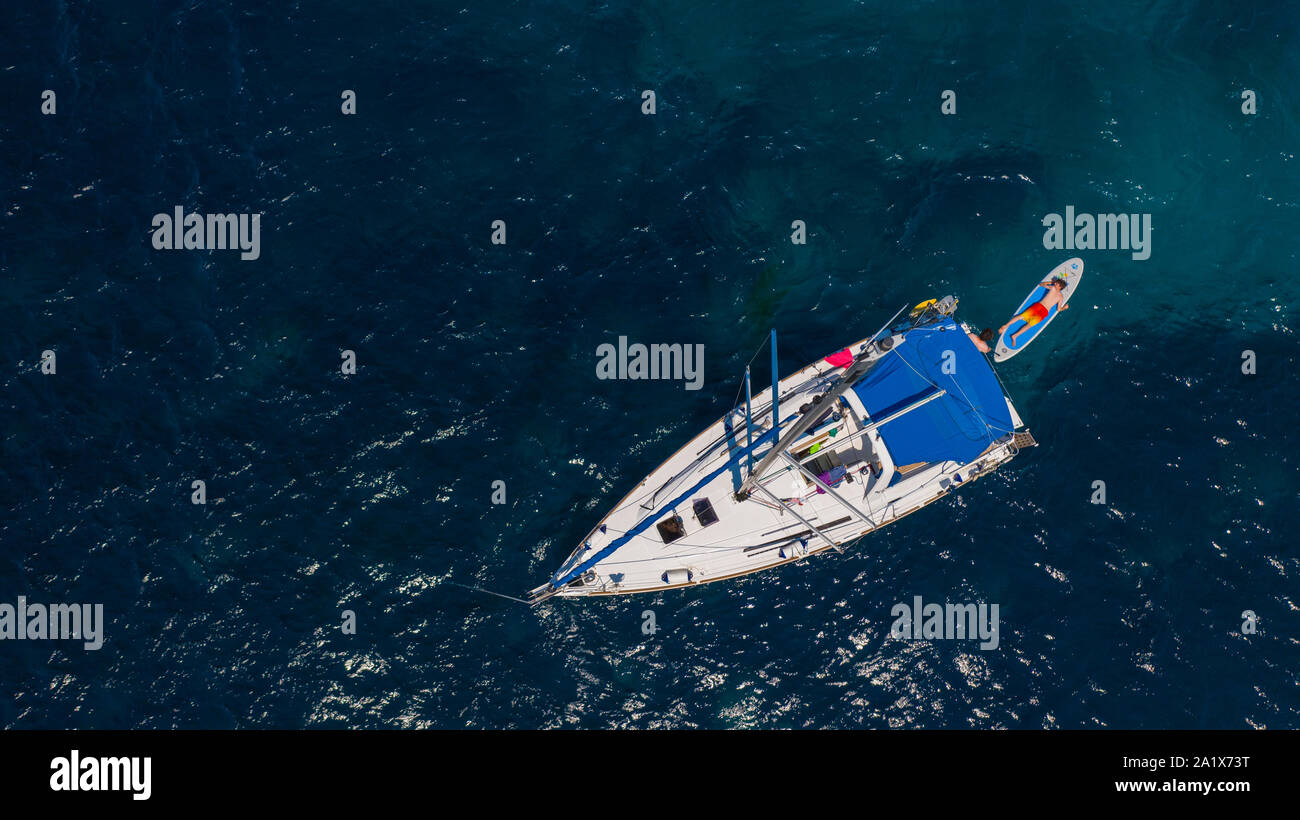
923	306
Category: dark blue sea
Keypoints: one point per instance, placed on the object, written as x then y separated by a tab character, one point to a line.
372	493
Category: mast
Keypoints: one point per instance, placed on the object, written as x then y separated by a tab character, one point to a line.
826	488
810	525
749	421
854	372
804	424
776	391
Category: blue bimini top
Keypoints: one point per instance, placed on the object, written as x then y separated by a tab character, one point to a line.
955	427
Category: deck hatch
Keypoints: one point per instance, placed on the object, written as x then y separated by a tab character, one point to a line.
704	512
671	528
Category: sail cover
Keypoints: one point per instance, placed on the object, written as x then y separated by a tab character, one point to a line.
955	427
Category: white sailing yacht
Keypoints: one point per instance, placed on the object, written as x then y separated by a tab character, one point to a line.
914	412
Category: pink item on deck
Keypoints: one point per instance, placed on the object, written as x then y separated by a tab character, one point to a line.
842	359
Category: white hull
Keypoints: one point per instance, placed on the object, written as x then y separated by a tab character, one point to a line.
759	533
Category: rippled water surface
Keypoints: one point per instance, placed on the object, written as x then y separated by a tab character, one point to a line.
371	493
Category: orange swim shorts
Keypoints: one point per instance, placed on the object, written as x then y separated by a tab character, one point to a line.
1034	314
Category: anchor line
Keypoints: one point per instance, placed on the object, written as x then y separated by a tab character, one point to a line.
489	592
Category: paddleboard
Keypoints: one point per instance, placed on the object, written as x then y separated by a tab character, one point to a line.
1071	270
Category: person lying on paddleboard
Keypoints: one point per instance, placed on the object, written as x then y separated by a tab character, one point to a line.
1039	310
982	341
